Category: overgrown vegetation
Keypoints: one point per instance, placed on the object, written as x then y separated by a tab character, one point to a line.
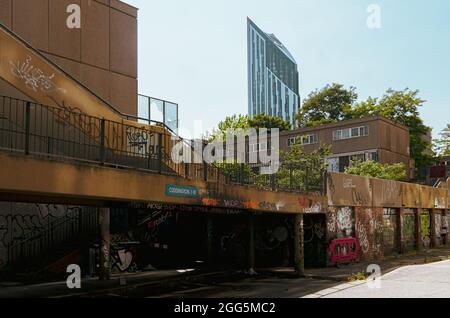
396	172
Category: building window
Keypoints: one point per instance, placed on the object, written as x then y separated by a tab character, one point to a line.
303	140
351	133
263	146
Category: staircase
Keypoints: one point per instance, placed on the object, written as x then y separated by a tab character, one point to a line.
87	116
44	250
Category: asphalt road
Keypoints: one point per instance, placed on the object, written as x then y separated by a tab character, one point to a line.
418	281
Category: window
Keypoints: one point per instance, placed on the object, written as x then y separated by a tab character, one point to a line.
264	146
351	133
304	140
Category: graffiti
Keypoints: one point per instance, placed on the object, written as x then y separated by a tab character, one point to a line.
331	224
17	227
268	206
122	259
319	231
345	221
363	238
33	77
159	220
358	198
138	138
348	184
232	204
178	208
210	202
231	244
315	208
250	205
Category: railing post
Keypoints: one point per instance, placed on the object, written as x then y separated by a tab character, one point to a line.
272	181
27	127
102	142
160	141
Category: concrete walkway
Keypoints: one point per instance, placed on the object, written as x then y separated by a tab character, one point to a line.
416	281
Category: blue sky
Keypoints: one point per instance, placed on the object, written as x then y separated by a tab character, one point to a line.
195	52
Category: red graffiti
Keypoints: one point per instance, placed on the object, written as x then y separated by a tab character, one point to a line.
344	250
251	205
304	202
210	202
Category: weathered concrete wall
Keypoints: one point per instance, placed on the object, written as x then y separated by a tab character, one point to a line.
54	180
386	216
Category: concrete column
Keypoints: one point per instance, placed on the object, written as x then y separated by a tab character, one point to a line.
209	239
105	257
299	245
419	244
400	243
251	243
447	219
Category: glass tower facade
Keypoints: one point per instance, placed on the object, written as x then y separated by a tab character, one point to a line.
273	78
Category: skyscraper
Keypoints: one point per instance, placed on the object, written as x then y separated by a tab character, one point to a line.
273	78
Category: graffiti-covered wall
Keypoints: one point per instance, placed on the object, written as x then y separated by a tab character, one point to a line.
21	222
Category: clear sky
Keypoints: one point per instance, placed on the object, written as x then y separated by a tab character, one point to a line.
194	52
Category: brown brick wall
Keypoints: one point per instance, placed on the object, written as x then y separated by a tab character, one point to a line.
102	54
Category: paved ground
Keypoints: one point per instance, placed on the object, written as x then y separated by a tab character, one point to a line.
270	283
416	281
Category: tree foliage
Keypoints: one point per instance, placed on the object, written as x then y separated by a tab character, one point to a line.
442	145
327	105
306	167
269	122
335	103
396	172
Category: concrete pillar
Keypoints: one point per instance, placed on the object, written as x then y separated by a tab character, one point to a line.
447	220
105	257
209	239
299	245
400	243
419	244
251	243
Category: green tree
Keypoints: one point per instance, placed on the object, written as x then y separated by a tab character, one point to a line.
396	172
330	104
306	168
234	122
403	108
442	145
269	122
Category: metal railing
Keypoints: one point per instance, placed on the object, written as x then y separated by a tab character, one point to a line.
73	225
52	132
